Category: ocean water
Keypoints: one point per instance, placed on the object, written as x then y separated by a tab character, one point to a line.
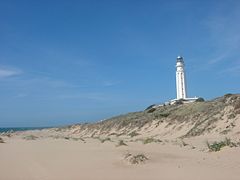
20	129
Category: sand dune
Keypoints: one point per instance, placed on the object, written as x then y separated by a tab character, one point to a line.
184	142
50	159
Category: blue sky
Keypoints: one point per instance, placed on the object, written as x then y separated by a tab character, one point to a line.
69	61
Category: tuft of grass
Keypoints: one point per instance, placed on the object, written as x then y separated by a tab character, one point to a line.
184	143
217	146
30	137
225	131
121	143
150	140
77	139
113	134
134	133
120	134
105	139
237	105
136	159
1	140
231	116
151	110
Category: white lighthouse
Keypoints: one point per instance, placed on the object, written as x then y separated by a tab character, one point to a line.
181	86
180	79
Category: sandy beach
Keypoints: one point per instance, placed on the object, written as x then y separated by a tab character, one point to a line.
91	159
183	142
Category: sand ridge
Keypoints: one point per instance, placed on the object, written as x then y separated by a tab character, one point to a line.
196	141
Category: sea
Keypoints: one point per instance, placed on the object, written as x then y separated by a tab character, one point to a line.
12	129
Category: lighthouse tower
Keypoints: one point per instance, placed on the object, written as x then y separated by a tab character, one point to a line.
180	79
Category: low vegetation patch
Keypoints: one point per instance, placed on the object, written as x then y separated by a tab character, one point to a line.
1	140
151	110
135	159
113	134
161	115
78	139
74	138
134	133
105	139
116	134
120	134
183	143
30	137
231	116
121	143
200	99
217	146
151	140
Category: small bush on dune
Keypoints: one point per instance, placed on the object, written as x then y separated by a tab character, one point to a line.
134	133
217	146
1	140
30	137
75	139
121	143
237	105
228	95
151	110
105	139
183	143
120	134
151	140
113	134
135	159
200	99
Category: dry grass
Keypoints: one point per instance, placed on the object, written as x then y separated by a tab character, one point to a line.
150	140
217	146
201	116
30	137
133	134
104	139
74	138
1	140
135	159
121	143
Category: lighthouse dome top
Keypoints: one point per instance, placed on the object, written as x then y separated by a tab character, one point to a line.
179	59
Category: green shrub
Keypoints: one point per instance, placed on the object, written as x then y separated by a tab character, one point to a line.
136	159
30	137
231	116
113	134
183	143
237	105
77	139
134	133
217	146
105	139
121	143
150	107
151	110
1	140
164	114
228	95
151	140
200	99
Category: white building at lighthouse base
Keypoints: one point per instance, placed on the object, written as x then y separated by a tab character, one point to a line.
184	101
